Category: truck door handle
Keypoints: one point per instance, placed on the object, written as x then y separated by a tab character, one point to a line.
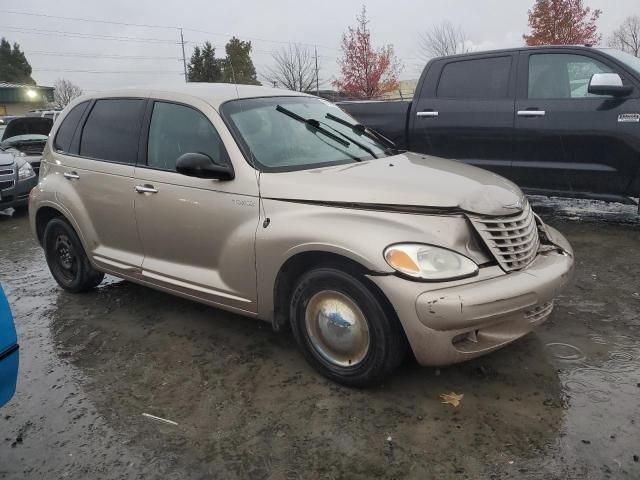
429	113
145	189
531	113
71	175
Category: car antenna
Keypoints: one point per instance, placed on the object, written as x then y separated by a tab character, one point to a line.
257	172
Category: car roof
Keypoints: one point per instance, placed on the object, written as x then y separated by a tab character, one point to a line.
520	49
213	93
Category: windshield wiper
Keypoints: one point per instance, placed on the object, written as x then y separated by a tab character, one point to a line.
315	124
362	130
355	142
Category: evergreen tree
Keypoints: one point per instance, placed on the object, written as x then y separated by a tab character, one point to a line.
204	66
14	66
238	67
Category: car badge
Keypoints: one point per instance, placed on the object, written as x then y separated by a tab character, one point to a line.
629	118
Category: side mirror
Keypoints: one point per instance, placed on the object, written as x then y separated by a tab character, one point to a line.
202	166
608	84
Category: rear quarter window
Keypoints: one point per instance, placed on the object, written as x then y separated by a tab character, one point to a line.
112	130
478	78
68	128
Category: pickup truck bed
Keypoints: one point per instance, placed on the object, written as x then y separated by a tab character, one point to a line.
386	117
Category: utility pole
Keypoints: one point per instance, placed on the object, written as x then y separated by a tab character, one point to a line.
184	60
315	47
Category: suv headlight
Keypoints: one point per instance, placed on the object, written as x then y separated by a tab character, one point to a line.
426	262
25	171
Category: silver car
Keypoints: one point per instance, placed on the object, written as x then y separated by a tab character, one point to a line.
279	206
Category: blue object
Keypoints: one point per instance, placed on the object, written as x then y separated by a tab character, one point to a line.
8	351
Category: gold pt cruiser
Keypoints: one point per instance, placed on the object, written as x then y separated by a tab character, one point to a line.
279	206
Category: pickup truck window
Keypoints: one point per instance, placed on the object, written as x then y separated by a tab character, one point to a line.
479	78
561	75
273	141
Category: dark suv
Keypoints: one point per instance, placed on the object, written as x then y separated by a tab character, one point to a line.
553	119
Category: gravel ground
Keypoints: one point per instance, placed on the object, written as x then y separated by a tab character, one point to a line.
560	403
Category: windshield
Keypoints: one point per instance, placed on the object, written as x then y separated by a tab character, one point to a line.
629	60
279	141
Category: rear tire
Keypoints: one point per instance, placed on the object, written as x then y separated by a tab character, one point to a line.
343	329
66	258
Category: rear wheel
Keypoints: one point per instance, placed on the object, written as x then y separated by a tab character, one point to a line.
343	329
67	259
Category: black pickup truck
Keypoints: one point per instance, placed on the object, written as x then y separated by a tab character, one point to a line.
563	120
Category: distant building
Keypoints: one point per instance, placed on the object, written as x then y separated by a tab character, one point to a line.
19	98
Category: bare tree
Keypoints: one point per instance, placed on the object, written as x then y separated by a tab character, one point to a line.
443	39
294	68
64	91
627	37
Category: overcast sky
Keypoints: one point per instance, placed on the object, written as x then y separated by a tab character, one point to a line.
268	24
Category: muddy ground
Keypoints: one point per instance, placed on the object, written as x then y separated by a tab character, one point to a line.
564	402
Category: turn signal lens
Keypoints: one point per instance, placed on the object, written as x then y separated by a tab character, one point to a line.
401	261
428	262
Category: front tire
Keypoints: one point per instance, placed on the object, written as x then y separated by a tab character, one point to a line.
343	329
66	258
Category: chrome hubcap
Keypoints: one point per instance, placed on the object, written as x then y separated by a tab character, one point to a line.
337	328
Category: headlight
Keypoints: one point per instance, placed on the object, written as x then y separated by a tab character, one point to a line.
427	262
25	171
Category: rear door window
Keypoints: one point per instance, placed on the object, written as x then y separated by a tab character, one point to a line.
178	129
112	130
68	128
478	78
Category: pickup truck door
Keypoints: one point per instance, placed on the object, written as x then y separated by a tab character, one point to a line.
463	110
565	138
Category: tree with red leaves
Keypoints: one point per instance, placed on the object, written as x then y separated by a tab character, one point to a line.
366	72
562	22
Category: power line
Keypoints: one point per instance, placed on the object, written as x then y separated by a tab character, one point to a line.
154	72
257	39
100	55
92	36
174	27
78	19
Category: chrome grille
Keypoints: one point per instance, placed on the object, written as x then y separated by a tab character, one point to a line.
512	239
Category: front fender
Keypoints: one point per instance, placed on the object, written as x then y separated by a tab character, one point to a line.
358	235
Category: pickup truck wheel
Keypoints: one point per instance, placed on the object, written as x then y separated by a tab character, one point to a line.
343	329
67	259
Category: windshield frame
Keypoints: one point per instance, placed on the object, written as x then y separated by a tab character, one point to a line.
614	53
225	114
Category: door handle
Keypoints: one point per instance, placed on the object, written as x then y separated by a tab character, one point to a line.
71	175
145	189
427	114
531	113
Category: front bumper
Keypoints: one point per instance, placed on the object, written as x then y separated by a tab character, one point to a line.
470	318
17	195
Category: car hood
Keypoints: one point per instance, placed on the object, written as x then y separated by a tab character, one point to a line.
405	182
7	157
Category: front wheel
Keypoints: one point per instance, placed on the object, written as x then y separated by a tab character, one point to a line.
343	329
67	259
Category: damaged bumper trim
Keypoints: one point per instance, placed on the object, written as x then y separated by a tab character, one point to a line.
464	320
